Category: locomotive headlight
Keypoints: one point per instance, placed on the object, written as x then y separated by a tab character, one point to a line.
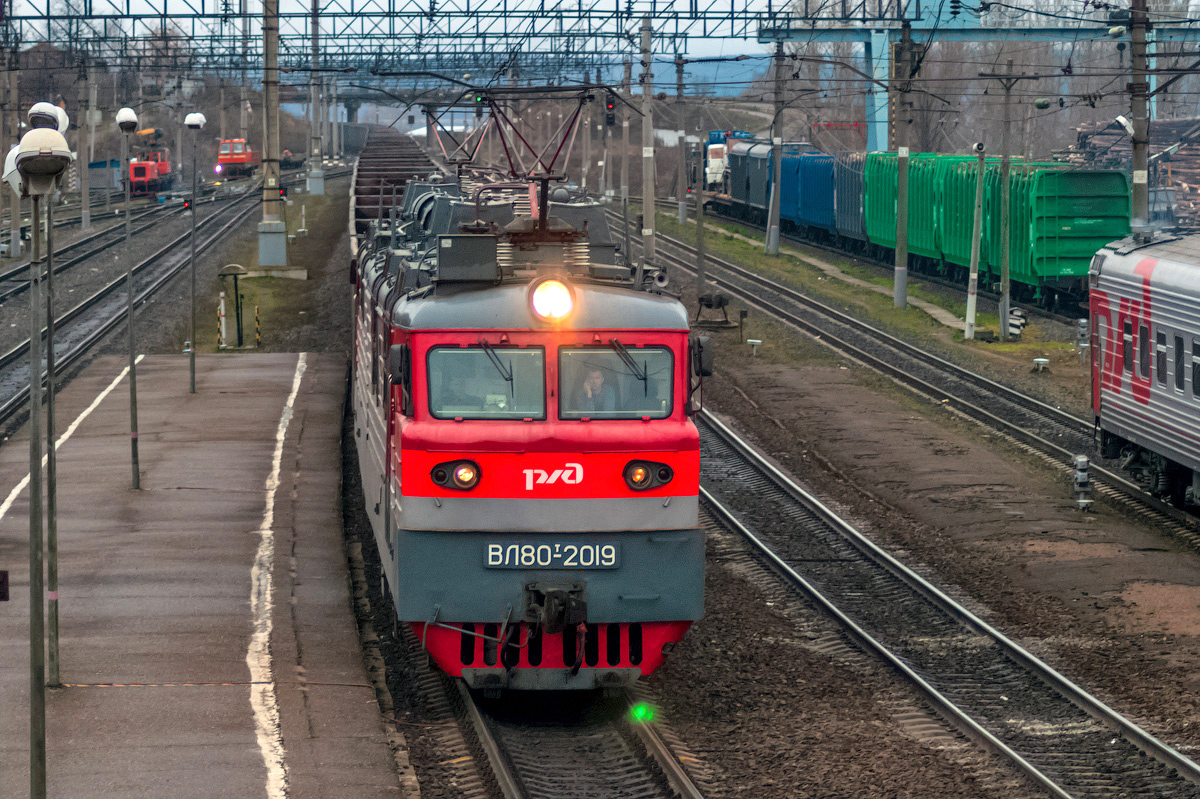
459	475
552	300
466	475
641	475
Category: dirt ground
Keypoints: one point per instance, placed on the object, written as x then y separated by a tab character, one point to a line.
1112	603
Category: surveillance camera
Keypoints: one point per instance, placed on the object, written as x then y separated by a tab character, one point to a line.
42	158
11	176
127	120
1116	31
977	147
195	120
64	121
43	115
1124	122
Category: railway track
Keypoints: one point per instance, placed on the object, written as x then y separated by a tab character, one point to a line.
984	685
84	326
1055	435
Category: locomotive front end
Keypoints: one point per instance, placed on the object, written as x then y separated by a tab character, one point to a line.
545	506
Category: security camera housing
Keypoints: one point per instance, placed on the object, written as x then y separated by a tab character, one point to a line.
978	147
43	115
42	159
195	120
127	120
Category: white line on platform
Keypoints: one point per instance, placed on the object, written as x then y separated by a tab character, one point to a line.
258	655
16	492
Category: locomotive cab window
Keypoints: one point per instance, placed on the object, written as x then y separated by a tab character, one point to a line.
615	382
487	382
238	148
224	148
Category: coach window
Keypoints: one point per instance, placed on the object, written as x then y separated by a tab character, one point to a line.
1179	362
634	382
1160	356
1195	368
487	382
1144	351
1127	346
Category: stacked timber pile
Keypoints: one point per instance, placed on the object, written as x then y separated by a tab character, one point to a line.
1174	157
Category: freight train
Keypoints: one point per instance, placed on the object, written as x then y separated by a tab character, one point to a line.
522	415
1059	216
1145	346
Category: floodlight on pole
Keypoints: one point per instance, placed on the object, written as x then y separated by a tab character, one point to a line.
127	121
195	121
40	159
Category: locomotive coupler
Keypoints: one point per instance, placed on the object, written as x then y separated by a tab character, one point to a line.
556	606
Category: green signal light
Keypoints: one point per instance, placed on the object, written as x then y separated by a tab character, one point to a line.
641	713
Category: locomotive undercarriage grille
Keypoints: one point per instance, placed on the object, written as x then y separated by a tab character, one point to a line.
529	646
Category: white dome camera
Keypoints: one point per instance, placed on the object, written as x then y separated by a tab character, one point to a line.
44	115
127	120
42	158
64	121
195	120
11	176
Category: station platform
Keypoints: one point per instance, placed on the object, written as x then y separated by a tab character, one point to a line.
208	645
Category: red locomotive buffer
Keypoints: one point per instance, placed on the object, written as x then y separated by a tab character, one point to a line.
150	169
235	158
528	457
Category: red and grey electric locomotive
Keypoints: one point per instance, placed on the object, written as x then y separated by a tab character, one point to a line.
1145	342
521	412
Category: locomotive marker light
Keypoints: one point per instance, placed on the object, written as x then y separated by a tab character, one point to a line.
643	475
127	121
41	159
195	121
461	475
552	300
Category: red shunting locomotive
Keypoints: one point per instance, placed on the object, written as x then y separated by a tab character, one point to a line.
150	169
522	412
235	158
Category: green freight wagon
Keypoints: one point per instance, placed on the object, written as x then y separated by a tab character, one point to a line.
956	218
1059	218
880	182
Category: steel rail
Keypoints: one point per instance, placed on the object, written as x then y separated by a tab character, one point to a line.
1145	742
506	780
11	406
676	776
1133	491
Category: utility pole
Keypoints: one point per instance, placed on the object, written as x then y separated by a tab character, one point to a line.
776	156
222	106
272	233
648	191
85	195
585	119
976	232
316	175
904	86
14	105
681	195
1139	90
1008	79
627	93
605	168
701	185
337	120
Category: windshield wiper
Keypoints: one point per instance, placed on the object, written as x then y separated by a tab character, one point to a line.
638	372
505	373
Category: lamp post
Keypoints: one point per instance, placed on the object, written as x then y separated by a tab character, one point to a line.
127	121
41	158
195	121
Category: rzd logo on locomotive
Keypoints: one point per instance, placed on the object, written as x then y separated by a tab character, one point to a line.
571	474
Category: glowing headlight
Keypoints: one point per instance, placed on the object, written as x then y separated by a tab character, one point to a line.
552	300
641	475
466	475
459	475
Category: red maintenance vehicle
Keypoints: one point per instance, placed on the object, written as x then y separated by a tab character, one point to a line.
150	170
235	159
